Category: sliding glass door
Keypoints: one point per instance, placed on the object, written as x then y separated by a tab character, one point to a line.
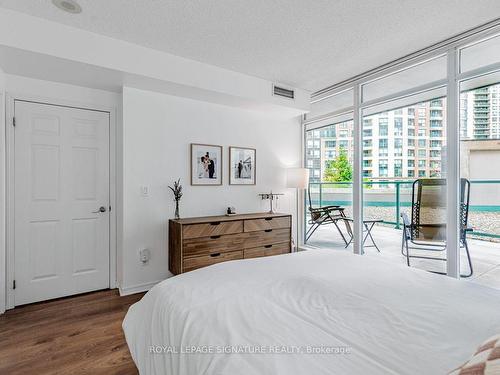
329	158
404	184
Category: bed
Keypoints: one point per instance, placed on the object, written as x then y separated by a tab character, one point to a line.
312	312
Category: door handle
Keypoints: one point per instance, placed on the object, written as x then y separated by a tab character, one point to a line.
101	210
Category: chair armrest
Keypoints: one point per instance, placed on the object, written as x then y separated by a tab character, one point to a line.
326	208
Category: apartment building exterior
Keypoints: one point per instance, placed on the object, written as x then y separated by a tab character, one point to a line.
403	143
482	113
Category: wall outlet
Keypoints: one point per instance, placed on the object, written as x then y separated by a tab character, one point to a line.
145	190
144	256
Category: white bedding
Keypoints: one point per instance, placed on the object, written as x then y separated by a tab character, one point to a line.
393	319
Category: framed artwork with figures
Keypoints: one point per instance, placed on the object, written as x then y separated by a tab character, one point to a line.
206	164
242	166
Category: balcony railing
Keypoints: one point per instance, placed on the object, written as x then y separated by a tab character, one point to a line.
392	191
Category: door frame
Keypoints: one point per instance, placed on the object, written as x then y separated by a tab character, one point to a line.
10	99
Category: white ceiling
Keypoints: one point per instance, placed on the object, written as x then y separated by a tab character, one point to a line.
304	43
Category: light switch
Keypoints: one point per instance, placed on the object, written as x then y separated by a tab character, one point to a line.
145	191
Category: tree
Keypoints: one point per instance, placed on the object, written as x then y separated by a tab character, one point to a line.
338	169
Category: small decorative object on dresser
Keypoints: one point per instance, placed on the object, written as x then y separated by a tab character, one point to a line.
206	164
231	211
242	164
177	190
202	241
271	197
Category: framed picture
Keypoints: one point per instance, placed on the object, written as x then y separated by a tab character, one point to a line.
206	164
242	164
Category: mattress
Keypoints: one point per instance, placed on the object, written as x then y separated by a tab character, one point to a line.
312	312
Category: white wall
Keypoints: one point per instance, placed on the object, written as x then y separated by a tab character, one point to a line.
157	132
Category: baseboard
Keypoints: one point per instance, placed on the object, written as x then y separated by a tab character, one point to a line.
139	288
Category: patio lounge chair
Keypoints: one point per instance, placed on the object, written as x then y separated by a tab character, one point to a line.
323	216
427	228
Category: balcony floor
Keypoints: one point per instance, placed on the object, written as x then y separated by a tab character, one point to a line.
485	255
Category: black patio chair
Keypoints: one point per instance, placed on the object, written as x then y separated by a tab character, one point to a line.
325	215
427	228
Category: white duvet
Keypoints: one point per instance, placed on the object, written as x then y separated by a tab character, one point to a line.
357	314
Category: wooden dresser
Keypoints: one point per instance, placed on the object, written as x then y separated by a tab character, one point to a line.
201	241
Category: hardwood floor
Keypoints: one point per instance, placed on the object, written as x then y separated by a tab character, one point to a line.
74	335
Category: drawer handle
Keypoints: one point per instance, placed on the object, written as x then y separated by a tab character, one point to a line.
213	255
268	230
214	237
215	223
268	246
268	218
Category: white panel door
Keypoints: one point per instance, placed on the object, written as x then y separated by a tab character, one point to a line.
61	179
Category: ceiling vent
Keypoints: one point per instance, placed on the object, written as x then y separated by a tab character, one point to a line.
283	92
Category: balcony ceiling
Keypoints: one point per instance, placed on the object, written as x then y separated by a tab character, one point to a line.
307	44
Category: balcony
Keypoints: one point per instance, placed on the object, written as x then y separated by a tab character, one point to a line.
385	200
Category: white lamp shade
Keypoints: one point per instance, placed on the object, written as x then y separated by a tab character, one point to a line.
297	178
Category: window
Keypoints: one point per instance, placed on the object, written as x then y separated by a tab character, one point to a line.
367	143
435	143
435	153
344	144
436	123
398	168
422	153
398	147
411	163
330	144
436	113
435	165
383	130
411	153
411	143
330	132
436	133
383	168
421	173
436	103
422	143
344	134
398	126
411	173
367	132
411	132
421	163
330	154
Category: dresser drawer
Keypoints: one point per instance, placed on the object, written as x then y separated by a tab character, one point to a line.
267	237
267	223
190	264
218	243
215	228
268	250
